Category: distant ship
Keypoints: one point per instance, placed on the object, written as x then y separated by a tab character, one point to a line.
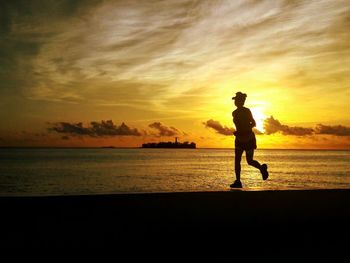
176	144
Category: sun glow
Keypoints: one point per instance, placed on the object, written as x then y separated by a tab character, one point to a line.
259	116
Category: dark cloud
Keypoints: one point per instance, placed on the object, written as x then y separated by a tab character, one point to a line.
164	130
107	128
257	132
224	130
96	129
71	128
219	128
337	130
272	125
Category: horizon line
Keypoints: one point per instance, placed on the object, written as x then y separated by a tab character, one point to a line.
131	147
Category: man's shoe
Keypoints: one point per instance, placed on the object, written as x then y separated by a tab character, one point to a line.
236	184
264	172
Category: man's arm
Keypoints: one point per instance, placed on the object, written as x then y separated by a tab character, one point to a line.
252	121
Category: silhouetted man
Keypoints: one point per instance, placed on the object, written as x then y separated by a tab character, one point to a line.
245	139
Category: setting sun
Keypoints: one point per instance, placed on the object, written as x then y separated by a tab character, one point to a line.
259	116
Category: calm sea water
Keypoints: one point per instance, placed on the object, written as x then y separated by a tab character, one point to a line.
96	171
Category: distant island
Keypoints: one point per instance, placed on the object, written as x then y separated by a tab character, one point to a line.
176	144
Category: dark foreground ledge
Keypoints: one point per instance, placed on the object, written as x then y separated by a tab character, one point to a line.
288	221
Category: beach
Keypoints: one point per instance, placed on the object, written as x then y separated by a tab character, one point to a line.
236	221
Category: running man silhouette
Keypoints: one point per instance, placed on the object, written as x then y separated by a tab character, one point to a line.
245	139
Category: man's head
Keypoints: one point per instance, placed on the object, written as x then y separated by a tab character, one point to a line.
239	99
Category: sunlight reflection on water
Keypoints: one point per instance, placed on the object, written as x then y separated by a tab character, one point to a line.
93	171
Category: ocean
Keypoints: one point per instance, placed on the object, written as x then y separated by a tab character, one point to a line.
28	172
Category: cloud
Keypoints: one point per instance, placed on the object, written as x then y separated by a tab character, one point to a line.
90	46
164	130
107	128
337	130
160	42
224	130
25	28
219	128
272	125
96	129
257	132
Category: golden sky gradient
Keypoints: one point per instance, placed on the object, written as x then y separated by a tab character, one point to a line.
170	68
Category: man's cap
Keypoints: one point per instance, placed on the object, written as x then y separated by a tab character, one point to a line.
240	95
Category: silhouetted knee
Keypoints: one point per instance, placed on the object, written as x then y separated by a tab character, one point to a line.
251	162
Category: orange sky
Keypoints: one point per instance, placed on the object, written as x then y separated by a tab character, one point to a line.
166	68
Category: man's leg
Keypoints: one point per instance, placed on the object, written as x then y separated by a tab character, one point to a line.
238	158
249	155
256	164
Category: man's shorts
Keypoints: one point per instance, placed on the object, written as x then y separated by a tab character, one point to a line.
246	142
